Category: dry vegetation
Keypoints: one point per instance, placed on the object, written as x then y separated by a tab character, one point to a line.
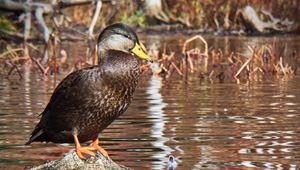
263	63
20	47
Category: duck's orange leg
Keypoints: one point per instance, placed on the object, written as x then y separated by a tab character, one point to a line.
82	150
95	144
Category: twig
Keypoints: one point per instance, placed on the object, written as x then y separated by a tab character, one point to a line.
95	17
9	51
41	68
192	39
245	64
53	44
50	8
18	36
256	69
39	16
177	69
190	62
14	66
216	20
281	66
33	47
211	74
27	25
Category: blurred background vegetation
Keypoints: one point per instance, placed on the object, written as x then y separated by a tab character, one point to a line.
201	15
25	25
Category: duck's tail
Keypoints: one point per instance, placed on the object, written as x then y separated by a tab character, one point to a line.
34	135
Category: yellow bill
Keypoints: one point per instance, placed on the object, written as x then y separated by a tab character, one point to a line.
137	50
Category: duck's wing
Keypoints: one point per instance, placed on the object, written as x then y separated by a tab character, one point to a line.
65	103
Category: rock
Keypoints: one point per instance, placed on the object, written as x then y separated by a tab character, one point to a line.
70	161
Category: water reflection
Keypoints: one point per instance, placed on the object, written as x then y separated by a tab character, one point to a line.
204	125
157	117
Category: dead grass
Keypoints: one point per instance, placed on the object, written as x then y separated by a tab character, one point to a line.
262	62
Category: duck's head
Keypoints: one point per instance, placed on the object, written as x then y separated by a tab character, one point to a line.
120	37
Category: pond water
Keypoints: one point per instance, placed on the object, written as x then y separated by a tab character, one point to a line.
204	125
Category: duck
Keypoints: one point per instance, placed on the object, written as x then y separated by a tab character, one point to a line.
88	100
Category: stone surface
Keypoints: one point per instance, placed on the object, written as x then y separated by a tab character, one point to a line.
70	161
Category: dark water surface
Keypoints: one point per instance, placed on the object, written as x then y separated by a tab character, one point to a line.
204	125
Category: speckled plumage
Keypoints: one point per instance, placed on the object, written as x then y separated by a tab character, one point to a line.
90	99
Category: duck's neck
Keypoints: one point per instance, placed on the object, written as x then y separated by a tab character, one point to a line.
104	53
119	65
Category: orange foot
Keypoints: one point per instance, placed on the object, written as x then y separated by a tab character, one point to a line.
95	144
82	150
88	150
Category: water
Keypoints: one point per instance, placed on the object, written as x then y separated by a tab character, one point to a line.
204	125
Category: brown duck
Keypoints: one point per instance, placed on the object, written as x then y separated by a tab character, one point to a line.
90	99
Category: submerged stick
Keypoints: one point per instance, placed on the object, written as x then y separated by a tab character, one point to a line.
281	66
41	68
245	64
